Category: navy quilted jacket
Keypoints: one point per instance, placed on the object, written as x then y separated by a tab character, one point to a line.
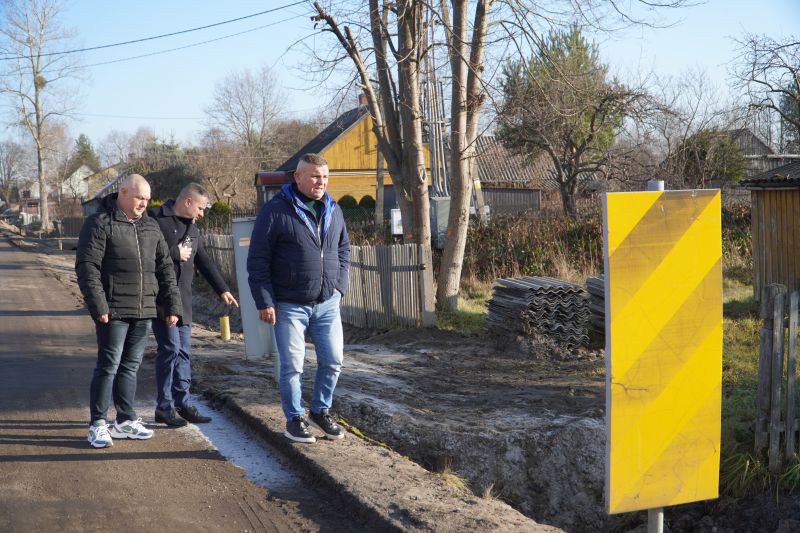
294	259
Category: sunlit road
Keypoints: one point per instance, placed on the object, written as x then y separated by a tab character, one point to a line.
52	480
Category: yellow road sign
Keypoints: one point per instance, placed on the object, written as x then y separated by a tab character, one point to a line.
663	253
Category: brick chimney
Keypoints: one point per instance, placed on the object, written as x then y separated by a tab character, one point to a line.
362	99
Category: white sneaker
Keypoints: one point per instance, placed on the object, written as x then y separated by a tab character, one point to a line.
98	434
131	429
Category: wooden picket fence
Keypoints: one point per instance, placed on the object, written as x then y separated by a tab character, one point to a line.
220	248
772	420
390	286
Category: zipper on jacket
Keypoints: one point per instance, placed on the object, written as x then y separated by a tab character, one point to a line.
321	258
141	274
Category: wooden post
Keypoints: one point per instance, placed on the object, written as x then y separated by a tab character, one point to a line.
791	370
764	366
775	380
427	297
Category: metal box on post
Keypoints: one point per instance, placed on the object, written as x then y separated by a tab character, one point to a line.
259	338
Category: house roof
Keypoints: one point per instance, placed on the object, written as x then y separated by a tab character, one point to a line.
749	142
496	164
110	188
326	137
782	177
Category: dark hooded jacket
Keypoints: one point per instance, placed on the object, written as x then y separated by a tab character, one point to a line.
123	265
176	229
295	258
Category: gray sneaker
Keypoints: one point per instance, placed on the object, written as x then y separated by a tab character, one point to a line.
131	429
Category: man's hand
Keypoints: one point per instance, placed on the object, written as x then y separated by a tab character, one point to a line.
267	315
186	252
171	320
229	299
103	319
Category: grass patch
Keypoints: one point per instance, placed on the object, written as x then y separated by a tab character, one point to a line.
456	482
470	318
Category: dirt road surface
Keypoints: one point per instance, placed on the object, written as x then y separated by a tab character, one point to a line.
52	480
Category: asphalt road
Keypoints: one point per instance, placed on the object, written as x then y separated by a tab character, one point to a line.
52	480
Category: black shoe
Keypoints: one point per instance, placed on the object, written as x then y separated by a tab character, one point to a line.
193	415
297	430
169	418
325	422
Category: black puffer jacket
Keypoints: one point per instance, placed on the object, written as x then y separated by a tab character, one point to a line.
122	265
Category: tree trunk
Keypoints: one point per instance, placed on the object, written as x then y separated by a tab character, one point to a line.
568	199
408	20
465	107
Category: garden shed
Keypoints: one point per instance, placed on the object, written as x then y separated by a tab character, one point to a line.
775	218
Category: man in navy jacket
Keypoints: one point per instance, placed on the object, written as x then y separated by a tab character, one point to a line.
297	264
177	218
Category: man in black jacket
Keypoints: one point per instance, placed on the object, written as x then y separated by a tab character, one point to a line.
173	368
298	265
122	264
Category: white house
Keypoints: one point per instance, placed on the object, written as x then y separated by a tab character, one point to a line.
76	186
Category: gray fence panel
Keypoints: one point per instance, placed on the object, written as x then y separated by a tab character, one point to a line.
512	201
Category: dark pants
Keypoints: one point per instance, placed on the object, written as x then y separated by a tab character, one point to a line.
120	345
173	368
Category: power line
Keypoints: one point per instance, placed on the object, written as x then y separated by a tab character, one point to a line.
192	45
134	117
163	35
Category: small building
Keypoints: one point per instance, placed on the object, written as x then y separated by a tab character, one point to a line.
93	204
350	147
74	186
775	217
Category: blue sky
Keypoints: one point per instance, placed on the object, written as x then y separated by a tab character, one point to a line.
168	92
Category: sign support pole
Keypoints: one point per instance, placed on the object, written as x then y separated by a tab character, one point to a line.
655	520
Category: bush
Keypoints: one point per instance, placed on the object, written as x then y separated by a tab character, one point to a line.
533	246
217	219
347	202
367	202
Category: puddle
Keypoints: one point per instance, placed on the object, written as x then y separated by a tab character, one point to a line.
261	464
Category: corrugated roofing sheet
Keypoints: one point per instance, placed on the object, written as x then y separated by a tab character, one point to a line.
497	165
782	177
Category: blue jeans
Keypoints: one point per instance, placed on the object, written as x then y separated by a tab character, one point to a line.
324	325
120	346
173	368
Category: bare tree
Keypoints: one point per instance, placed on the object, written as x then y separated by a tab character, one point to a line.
58	150
36	74
399	35
245	105
225	166
386	43
13	163
768	72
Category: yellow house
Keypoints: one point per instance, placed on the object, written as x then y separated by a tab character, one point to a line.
349	145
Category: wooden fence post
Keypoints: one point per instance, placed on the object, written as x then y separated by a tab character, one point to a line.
791	369
775	380
427	296
764	372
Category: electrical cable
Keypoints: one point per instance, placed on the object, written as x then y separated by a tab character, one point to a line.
161	36
191	45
